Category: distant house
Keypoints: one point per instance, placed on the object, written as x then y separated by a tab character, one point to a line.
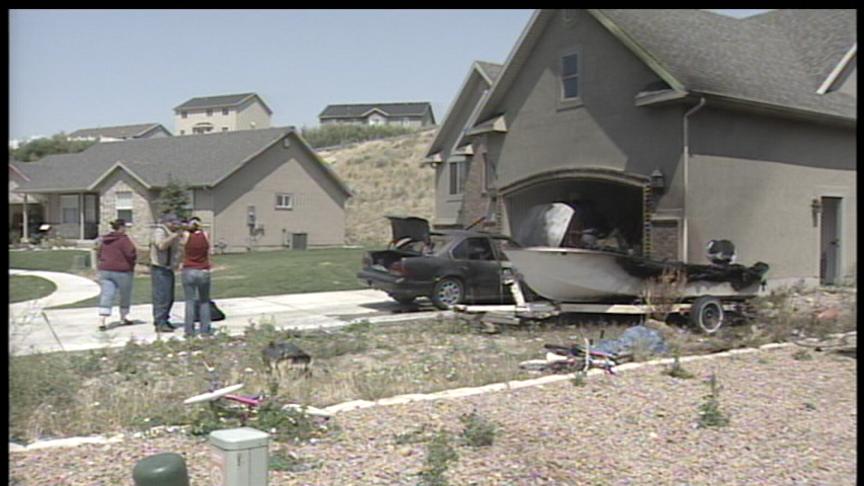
223	113
402	114
679	126
451	151
125	132
18	202
251	188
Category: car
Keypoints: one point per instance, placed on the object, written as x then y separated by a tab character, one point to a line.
448	267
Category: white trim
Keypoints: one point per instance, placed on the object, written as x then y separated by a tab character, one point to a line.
835	73
474	68
121	165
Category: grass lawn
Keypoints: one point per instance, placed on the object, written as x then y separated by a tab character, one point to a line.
26	287
267	273
47	260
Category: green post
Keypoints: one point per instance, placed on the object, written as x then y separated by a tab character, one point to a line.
166	469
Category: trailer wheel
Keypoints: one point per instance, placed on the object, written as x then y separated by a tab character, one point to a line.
706	313
448	292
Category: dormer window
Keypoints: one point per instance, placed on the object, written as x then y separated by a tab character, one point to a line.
570	76
182	114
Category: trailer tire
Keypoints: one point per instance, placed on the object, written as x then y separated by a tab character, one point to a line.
448	292
706	313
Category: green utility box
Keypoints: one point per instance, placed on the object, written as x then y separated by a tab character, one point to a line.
239	457
166	469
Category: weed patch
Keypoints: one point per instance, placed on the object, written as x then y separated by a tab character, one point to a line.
477	431
677	371
439	455
709	411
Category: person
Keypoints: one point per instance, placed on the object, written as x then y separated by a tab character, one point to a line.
116	255
196	277
165	259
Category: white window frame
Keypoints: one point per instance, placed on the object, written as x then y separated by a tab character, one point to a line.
64	200
124	205
577	76
456	168
281	203
190	196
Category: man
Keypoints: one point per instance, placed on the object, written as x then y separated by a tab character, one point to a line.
165	259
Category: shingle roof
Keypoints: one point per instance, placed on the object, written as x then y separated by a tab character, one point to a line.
775	59
124	131
219	101
772	58
358	110
200	160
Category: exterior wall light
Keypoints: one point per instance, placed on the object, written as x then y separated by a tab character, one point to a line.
658	181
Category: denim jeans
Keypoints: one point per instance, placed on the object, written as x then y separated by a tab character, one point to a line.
196	287
162	280
111	283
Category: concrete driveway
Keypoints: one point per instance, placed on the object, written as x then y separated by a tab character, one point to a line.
77	329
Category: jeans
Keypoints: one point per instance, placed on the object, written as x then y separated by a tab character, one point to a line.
111	282
196	287
162	280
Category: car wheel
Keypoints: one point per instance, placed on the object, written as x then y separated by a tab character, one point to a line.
448	292
706	313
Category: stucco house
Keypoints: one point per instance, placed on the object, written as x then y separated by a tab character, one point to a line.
223	113
124	132
293	198
680	126
451	150
415	115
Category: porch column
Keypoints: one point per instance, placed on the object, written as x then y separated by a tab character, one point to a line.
24	231
81	215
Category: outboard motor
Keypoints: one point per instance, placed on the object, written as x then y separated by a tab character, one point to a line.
720	252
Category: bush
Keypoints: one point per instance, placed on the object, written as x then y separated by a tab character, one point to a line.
478	431
439	455
678	371
578	379
333	135
709	412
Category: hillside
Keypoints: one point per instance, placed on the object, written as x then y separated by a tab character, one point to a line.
386	178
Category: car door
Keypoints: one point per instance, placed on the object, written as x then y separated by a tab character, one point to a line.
476	260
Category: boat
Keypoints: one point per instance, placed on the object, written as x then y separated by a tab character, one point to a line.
564	274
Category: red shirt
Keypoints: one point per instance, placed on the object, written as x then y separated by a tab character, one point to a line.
197	251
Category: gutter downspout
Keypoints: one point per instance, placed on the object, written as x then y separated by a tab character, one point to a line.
686	154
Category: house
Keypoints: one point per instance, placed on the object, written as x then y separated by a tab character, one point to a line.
22	209
223	113
451	150
415	115
125	132
679	127
252	188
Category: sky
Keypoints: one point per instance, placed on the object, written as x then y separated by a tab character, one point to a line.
73	69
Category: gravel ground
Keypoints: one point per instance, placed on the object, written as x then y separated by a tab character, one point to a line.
792	422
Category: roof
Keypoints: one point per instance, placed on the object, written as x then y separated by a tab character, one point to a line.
122	132
777	60
389	109
220	101
199	161
486	71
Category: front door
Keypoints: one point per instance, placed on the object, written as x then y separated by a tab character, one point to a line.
829	247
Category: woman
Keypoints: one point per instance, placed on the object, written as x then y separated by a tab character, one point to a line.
196	277
116	254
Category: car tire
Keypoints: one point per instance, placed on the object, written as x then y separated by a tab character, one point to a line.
706	313
448	292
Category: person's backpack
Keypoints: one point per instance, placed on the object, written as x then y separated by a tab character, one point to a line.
216	314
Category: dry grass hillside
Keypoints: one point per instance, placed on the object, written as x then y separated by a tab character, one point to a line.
386	178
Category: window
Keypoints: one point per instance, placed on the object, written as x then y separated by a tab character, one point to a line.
123	205
457	177
183	114
570	76
225	111
474	249
190	200
69	209
488	172
284	201
209	111
224	129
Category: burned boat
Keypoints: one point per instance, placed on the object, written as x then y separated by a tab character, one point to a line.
596	273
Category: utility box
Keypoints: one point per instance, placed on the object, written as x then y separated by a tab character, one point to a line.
239	457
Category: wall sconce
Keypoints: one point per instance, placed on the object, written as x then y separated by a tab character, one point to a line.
816	206
658	181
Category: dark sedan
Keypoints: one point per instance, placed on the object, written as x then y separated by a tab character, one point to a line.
449	267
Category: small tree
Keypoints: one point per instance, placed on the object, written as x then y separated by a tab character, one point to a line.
174	198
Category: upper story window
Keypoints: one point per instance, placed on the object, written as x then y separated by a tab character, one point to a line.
488	173
183	114
457	177
209	111
224	111
284	201
570	76
123	205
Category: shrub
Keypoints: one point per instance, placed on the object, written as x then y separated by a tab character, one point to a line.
333	135
802	355
439	455
709	412
578	379
678	371
477	431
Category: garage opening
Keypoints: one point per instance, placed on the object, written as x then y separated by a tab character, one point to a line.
606	214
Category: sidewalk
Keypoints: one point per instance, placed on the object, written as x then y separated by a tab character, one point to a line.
77	329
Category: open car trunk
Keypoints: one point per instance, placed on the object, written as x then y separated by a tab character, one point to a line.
410	237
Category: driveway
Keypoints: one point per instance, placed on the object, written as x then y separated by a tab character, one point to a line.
35	331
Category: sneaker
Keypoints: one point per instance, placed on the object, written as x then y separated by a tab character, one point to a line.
164	328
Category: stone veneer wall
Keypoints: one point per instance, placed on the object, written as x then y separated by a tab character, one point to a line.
142	213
